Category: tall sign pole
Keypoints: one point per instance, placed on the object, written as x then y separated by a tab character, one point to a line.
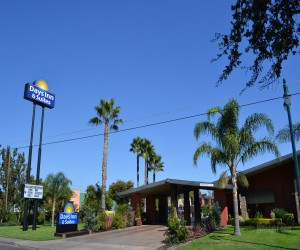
35	211
38	94
287	104
25	223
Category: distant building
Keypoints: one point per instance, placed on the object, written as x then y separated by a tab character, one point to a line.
82	197
76	199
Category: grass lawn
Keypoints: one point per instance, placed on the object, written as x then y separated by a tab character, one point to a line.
16	232
251	238
42	232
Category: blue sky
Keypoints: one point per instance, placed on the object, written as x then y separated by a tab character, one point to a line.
153	57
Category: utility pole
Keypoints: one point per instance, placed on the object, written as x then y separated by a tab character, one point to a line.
287	104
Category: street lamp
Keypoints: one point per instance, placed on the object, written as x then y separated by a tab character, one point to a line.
287	104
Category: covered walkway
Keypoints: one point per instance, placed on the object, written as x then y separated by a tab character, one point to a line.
153	199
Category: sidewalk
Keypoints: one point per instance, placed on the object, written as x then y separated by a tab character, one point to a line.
146	237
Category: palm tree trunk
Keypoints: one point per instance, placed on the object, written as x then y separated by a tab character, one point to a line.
137	170
237	230
53	212
146	170
154	174
104	167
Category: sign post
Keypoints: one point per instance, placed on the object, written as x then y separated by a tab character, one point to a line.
39	95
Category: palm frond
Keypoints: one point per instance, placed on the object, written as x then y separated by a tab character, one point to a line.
135	145
203	149
259	148
242	180
114	127
223	180
213	111
284	134
256	121
245	138
205	128
217	158
228	122
95	121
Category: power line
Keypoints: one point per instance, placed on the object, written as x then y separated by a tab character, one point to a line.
154	115
153	124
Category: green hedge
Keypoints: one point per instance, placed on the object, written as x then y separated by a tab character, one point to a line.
263	221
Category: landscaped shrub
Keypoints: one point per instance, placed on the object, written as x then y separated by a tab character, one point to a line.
196	231
216	213
11	219
118	221
102	221
129	217
279	212
175	233
90	220
230	220
272	215
288	219
122	209
263	221
41	218
258	215
210	224
206	210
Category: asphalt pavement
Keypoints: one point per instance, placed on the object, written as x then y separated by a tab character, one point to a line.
146	237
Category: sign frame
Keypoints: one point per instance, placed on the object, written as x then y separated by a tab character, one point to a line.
31	191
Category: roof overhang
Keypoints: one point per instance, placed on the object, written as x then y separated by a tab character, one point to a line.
165	187
270	164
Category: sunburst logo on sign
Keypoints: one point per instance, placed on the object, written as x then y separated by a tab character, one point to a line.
37	92
69	208
42	84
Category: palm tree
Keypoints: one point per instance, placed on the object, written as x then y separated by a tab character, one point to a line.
147	152
107	114
284	134
136	148
233	144
156	165
57	187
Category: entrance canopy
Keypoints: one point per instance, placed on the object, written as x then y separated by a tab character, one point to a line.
167	186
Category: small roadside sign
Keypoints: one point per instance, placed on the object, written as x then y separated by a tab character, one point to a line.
33	191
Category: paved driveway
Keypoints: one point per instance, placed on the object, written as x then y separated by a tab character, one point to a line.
146	237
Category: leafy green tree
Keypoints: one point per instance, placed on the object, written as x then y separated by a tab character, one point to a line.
12	176
269	30
156	165
93	198
233	145
109	115
284	134
135	147
120	186
57	191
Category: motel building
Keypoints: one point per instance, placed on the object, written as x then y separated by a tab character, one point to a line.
271	185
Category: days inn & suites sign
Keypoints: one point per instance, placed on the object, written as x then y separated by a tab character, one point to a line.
38	93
